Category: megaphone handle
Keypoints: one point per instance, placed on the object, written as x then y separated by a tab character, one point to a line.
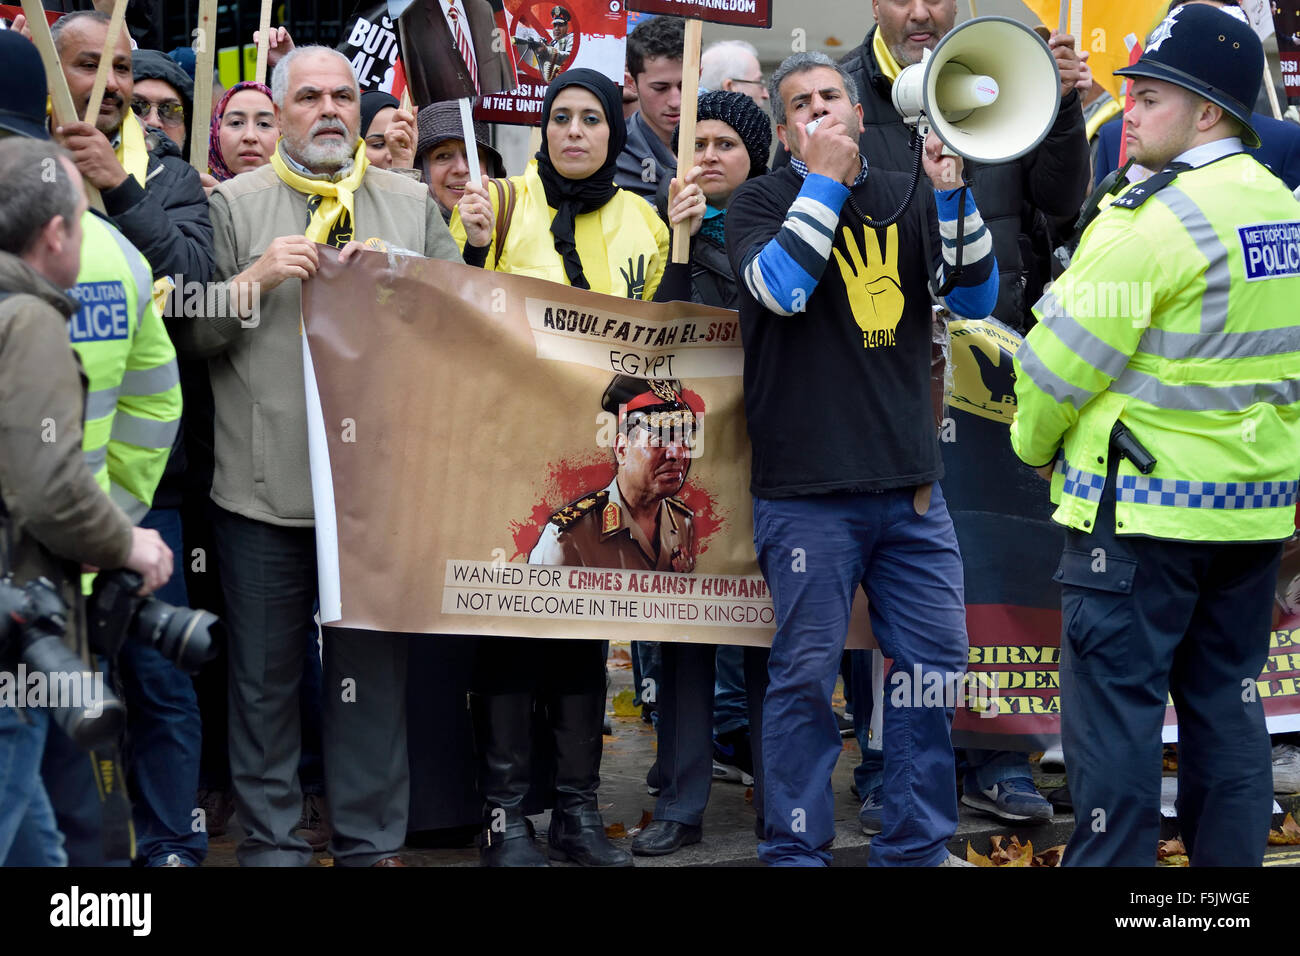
923	131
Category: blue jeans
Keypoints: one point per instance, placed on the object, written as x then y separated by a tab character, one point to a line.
28	834
990	767
164	733
730	702
814	552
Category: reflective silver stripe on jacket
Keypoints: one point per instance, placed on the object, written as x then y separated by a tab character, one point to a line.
1218	277
1102	356
144	432
1051	383
100	404
1204	398
135	508
143	278
151	381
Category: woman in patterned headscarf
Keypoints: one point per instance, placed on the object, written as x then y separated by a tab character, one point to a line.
244	132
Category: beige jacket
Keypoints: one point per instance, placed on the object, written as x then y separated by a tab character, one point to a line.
262	469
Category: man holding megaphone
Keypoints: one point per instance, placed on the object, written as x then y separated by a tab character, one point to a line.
1022	132
835	314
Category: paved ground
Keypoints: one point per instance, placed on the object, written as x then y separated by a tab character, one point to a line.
729	821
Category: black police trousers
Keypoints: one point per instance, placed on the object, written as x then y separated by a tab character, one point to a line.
1142	619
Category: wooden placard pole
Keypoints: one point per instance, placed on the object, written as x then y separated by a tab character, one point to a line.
205	56
263	41
1076	24
1272	93
106	61
686	128
1064	26
467	130
60	97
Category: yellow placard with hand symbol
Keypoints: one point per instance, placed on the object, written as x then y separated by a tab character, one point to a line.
874	291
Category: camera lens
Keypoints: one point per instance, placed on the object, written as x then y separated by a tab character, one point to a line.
90	714
185	636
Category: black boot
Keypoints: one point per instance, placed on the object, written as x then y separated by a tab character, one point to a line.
577	831
503	733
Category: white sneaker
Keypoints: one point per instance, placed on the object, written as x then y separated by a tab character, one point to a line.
1286	768
1053	760
956	861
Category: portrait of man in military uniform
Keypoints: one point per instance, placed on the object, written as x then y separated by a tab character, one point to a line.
636	521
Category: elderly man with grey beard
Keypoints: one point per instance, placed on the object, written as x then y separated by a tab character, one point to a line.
319	178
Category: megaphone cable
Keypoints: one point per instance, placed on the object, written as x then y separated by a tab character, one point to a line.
919	148
907	200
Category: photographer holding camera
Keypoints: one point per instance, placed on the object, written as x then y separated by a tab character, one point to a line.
56	518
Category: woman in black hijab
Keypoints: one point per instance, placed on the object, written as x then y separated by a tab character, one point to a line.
573	226
571	223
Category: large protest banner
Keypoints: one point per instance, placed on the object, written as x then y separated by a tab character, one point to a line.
460	423
462	413
550	37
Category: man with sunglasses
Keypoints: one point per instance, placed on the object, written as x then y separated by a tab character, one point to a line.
162	97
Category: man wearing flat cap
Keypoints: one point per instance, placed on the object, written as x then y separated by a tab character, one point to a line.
635	521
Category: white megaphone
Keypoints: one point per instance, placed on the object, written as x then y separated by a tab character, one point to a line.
990	89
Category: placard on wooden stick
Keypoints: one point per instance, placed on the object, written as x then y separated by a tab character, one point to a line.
746	13
263	41
106	61
205	52
60	97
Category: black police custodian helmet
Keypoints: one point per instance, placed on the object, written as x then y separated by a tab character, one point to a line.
1211	53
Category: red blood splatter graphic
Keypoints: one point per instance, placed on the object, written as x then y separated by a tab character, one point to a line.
568	481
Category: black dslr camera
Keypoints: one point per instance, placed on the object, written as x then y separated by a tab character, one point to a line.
33	619
183	635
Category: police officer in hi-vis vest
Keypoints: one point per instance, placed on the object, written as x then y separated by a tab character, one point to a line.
1162	386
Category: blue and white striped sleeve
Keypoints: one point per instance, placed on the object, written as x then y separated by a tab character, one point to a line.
976	292
782	274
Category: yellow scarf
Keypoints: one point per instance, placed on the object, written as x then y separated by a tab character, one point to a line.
131	150
884	59
333	218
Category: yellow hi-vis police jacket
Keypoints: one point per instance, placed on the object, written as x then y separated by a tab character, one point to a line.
133	406
1179	317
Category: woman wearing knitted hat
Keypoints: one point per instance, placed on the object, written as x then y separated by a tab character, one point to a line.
732	139
573	226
